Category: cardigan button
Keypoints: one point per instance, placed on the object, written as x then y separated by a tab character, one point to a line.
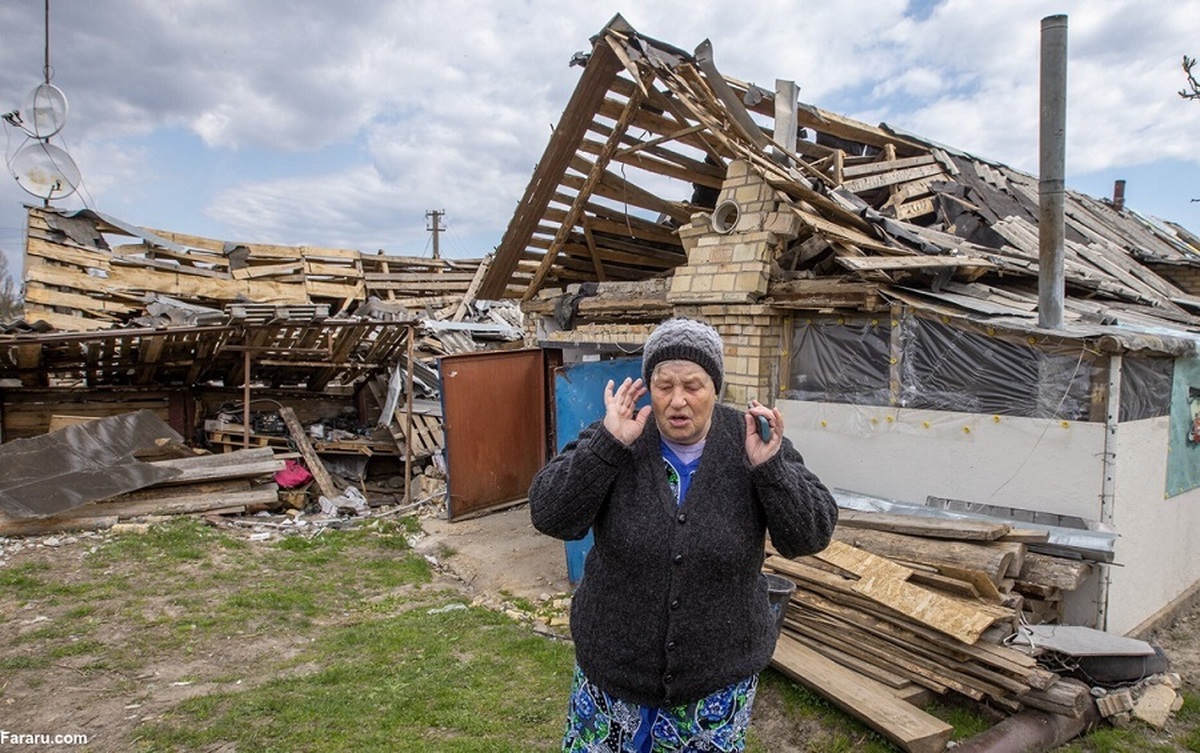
667	679
671	646
678	559
681	517
675	604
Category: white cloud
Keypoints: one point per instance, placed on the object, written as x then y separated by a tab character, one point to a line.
449	104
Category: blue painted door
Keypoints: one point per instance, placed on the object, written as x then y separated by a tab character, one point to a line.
578	401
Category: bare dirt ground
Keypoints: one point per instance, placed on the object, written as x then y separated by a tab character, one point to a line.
498	553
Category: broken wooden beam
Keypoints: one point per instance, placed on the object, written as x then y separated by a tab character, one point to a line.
311	459
13	526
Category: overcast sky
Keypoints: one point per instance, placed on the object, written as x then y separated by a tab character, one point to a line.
341	123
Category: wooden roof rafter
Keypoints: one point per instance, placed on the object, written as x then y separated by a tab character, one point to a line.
594	177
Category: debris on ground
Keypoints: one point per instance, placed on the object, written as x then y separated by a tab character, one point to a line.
882	621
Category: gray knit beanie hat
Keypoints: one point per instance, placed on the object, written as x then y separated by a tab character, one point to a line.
686	340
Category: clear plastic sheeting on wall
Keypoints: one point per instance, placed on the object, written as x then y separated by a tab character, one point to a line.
942	367
1146	387
948	368
841	360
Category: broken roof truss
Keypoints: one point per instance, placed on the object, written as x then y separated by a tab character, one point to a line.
648	136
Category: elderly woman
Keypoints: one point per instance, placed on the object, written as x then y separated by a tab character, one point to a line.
671	621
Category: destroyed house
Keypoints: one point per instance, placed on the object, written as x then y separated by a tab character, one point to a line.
882	291
217	338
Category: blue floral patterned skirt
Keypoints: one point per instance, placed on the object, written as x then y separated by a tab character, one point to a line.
600	723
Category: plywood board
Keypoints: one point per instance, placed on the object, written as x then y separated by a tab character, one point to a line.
886	582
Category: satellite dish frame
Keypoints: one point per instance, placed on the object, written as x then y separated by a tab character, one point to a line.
31	113
61	164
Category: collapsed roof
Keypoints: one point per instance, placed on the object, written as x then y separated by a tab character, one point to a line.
646	142
109	303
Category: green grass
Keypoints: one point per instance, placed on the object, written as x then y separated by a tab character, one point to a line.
28	583
459	680
346	645
182	585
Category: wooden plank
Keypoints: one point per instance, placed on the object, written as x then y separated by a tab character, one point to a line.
80	257
217	461
914	525
462	278
99	307
328	269
64	322
232	470
1026	536
961	588
189	503
984	585
885	263
165	266
472	291
862	666
68	277
891	178
311	459
918	208
871	168
267	270
910	728
11	526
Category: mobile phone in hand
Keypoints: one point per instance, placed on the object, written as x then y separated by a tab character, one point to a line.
764	427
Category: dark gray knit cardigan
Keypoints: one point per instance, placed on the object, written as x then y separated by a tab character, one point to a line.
673	605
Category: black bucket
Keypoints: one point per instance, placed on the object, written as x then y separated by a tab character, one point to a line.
779	593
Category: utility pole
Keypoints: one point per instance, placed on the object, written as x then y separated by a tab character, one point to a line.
435	216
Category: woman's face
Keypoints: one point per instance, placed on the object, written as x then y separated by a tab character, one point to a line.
682	395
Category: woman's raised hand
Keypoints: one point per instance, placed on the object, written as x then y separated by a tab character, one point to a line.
621	416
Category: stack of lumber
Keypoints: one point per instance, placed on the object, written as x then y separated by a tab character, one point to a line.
882	617
226	484
975	558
